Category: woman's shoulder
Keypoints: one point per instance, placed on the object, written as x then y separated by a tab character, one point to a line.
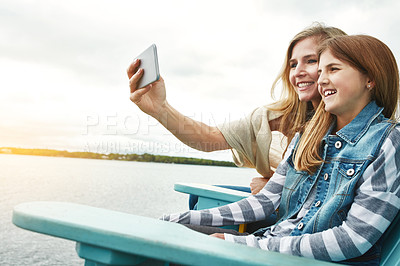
265	113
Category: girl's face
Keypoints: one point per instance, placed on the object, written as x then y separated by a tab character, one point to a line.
343	88
304	70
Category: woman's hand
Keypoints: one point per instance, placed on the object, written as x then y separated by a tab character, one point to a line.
150	99
218	235
257	184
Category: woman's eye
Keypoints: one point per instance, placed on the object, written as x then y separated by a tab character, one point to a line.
334	68
312	61
293	65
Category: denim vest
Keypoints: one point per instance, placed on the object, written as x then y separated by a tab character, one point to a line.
346	155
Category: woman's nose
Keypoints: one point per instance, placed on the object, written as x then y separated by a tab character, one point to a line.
300	70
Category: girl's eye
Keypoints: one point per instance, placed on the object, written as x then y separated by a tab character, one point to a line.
312	61
293	65
334	68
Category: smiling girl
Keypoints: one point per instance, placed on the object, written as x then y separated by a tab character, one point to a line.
338	188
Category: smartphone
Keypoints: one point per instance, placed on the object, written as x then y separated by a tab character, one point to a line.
149	63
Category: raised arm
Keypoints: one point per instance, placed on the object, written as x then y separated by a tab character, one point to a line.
152	100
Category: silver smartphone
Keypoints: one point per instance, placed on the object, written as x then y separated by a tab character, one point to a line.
149	63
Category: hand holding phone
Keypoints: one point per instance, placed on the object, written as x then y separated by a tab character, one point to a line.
150	99
149	63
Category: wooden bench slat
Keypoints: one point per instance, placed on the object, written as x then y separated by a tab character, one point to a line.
133	237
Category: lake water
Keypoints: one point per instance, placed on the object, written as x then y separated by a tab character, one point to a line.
139	188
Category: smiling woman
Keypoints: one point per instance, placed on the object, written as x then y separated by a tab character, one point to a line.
348	81
337	189
251	141
303	70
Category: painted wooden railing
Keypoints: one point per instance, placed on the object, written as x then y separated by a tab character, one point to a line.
212	196
106	237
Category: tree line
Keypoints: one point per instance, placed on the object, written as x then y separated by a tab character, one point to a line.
116	156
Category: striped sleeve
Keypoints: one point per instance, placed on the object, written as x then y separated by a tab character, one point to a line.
251	209
375	205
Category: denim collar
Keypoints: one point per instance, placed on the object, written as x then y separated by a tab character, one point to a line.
352	132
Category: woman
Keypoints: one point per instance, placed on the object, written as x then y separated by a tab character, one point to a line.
338	187
250	140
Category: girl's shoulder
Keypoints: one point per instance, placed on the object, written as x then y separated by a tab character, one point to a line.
395	133
392	141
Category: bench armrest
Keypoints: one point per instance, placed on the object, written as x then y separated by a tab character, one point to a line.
211	196
116	238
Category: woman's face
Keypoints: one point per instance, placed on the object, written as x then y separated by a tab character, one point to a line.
343	88
304	70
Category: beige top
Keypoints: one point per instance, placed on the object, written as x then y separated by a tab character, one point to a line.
253	144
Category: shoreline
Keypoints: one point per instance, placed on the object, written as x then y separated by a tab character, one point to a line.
116	156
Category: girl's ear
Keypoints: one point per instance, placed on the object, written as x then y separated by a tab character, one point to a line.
370	84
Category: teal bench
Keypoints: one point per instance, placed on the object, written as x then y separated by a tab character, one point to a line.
212	196
105	237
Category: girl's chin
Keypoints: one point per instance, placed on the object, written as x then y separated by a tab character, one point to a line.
329	108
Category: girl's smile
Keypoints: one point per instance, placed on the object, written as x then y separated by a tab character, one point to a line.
343	88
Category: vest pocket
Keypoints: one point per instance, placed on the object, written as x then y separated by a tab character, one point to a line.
293	189
347	174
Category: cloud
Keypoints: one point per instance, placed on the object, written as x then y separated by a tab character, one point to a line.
62	61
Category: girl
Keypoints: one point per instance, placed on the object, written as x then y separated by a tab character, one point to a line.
249	139
338	187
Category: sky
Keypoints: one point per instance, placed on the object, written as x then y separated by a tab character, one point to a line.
63	64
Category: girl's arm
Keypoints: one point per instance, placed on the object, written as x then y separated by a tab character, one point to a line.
375	206
254	208
251	209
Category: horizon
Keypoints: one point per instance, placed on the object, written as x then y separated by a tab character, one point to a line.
64	64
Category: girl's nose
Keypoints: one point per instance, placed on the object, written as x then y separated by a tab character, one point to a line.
322	79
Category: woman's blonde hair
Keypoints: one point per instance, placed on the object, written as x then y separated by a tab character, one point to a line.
371	57
294	112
